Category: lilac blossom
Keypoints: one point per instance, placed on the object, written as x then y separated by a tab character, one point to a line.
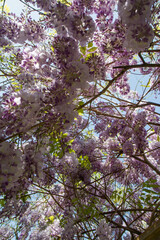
103	231
12	165
139	37
128	148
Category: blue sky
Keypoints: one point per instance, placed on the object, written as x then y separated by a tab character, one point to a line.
15	6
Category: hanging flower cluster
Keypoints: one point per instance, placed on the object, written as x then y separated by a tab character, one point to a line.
136	16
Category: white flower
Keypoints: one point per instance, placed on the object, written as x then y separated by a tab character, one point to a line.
17	100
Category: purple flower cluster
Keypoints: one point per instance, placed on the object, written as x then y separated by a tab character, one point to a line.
103	230
11	166
20	29
136	16
155	151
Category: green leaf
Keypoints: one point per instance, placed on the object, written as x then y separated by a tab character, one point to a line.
24	198
155	197
149	191
70	142
142	198
150	182
90	44
154	186
70	150
2	202
89	55
153	180
139	204
67	3
52	48
64	135
83	50
51	219
93	49
80	111
84	161
80	103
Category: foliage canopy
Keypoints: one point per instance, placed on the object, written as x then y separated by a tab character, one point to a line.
80	119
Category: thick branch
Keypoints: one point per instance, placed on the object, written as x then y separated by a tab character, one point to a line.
133	210
147	162
138	66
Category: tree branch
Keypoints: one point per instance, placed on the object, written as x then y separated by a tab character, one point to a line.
103	91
